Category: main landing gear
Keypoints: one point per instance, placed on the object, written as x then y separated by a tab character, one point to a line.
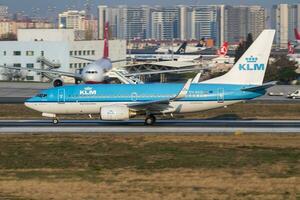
150	120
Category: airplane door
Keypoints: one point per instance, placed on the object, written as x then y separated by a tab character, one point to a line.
61	96
133	96
221	96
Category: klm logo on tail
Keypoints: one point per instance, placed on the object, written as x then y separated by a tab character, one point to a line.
251	65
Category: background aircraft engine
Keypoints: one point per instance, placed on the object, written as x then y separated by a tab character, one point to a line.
116	113
57	82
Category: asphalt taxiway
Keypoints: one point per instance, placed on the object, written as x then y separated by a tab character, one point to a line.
161	127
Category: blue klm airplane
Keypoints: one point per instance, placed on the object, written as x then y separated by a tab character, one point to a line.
122	102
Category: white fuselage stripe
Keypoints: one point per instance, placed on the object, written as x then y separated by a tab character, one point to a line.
94	107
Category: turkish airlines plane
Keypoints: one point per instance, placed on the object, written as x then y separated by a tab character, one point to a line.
98	71
222	52
297	36
291	49
95	72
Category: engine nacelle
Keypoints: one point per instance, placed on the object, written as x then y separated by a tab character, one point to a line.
116	113
57	82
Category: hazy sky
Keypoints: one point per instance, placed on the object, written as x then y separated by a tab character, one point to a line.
27	5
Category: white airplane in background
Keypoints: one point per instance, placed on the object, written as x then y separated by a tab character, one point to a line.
98	71
188	49
95	72
177	56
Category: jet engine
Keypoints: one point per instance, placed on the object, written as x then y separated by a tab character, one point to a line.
116	113
58	82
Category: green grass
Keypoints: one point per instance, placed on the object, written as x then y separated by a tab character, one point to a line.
84	156
76	167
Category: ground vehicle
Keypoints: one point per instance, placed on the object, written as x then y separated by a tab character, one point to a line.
275	93
294	95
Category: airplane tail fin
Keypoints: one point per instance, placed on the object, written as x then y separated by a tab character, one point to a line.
251	67
106	47
182	48
223	50
297	34
291	48
202	43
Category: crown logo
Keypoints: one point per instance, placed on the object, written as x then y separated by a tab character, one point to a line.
251	59
88	88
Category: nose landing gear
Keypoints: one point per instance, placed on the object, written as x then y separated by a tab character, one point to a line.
150	120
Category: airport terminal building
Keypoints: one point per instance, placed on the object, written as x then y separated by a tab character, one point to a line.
52	49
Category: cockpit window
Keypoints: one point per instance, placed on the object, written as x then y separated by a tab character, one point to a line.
42	95
91	72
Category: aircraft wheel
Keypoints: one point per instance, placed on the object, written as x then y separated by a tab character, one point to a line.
55	121
150	120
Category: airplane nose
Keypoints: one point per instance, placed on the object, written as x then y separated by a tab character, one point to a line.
28	103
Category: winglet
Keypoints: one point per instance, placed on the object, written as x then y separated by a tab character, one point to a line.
184	90
197	78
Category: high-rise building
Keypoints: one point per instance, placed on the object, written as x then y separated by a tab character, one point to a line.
137	23
165	24
3	12
205	22
184	22
285	18
280	21
241	20
221	24
126	22
72	19
294	20
102	19
257	20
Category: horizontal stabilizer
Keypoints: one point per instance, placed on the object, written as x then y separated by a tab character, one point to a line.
261	87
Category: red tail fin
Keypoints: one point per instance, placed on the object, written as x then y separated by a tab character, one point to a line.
291	48
106	48
223	50
297	34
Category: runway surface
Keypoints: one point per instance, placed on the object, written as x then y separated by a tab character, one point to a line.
161	127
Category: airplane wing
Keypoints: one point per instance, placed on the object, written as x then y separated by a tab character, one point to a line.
162	103
159	72
93	60
61	73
